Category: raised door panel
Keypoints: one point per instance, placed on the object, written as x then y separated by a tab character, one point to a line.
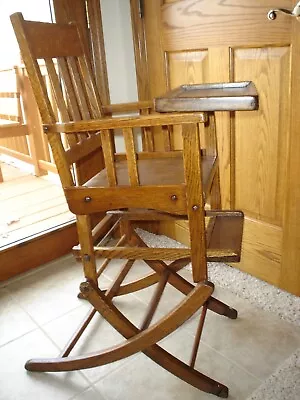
187	67
261	136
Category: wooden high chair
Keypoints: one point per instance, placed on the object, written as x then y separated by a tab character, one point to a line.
126	188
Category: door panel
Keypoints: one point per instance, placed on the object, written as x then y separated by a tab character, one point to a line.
261	255
261	156
187	66
198	41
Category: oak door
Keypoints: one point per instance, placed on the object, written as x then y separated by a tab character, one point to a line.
195	41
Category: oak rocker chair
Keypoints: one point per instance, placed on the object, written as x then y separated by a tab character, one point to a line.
126	188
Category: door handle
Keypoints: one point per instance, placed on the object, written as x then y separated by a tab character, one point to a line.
272	14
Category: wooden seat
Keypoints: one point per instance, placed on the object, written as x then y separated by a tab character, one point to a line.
155	173
126	189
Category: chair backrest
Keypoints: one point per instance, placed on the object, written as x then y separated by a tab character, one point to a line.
73	94
60	47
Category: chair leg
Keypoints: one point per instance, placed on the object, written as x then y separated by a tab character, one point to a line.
198	335
175	280
84	229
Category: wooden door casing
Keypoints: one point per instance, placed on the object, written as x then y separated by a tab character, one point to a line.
202	41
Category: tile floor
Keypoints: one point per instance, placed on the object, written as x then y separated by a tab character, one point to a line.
40	310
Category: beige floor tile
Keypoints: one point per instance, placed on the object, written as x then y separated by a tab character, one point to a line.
143	379
50	292
18	384
251	339
14	321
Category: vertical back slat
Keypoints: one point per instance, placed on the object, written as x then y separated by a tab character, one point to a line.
69	89
59	97
79	88
131	156
108	152
93	97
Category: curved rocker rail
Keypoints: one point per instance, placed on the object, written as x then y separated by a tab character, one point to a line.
139	340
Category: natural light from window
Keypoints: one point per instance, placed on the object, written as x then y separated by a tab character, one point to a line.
36	10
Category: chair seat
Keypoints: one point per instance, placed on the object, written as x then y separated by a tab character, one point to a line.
162	171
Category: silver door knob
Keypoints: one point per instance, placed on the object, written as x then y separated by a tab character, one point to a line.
272	14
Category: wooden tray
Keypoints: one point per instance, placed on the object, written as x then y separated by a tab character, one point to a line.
237	96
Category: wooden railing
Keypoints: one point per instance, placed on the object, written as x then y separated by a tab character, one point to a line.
21	134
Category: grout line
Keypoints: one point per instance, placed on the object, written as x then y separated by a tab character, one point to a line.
19	337
13	300
101	394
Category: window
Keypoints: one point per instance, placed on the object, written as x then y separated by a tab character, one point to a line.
38	10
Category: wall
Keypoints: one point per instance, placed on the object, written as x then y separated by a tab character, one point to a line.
119	50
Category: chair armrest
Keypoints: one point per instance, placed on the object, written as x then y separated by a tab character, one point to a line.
125	122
